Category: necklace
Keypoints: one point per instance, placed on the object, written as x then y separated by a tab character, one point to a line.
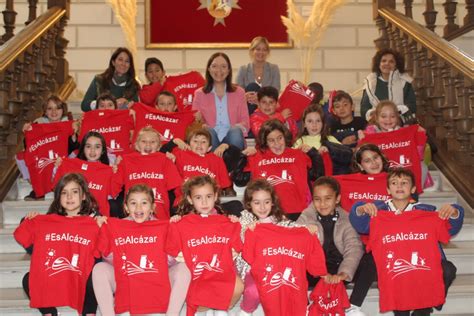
258	74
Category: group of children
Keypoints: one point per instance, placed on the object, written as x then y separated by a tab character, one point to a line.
177	243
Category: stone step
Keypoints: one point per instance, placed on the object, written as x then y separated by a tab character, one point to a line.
460	301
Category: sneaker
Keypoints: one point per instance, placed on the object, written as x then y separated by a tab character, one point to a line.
32	197
354	311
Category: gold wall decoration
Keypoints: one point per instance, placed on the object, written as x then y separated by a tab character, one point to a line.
219	9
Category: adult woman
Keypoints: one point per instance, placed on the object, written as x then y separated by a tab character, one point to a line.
118	79
259	71
221	105
388	81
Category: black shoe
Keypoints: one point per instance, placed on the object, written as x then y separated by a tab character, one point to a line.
32	197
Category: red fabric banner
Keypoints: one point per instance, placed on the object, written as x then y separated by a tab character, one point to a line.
214	22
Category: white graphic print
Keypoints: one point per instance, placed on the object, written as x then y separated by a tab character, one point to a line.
296	88
402	163
43	162
275	180
114	147
397	267
167	135
187	100
60	264
158	197
144	266
199	267
278	279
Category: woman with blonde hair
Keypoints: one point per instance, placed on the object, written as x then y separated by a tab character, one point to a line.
258	73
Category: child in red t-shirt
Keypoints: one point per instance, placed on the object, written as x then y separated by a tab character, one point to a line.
118	134
267	109
261	206
287	169
386	119
155	74
71	198
200	161
401	186
93	162
139	205
54	110
200	197
151	167
166	102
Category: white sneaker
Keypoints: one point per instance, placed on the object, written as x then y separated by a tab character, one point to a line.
220	313
354	311
242	313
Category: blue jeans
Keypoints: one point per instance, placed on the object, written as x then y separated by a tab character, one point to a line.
233	137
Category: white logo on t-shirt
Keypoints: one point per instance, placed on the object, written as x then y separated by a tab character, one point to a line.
279	279
60	264
397	267
144	266
276	180
199	267
43	162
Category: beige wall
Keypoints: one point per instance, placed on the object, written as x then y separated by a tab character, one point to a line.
342	61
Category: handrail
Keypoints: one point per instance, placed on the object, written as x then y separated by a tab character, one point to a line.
443	78
12	49
32	67
438	46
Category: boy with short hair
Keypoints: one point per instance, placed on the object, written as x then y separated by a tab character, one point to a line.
401	185
166	102
267	109
106	101
200	161
345	125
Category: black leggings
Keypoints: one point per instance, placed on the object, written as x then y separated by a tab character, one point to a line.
90	303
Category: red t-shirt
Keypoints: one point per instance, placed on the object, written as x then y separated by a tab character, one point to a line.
258	118
191	164
280	257
63	255
169	124
206	243
287	173
408	259
400	148
98	178
362	187
155	170
140	264
328	299
149	92
296	98
114	125
44	144
183	87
